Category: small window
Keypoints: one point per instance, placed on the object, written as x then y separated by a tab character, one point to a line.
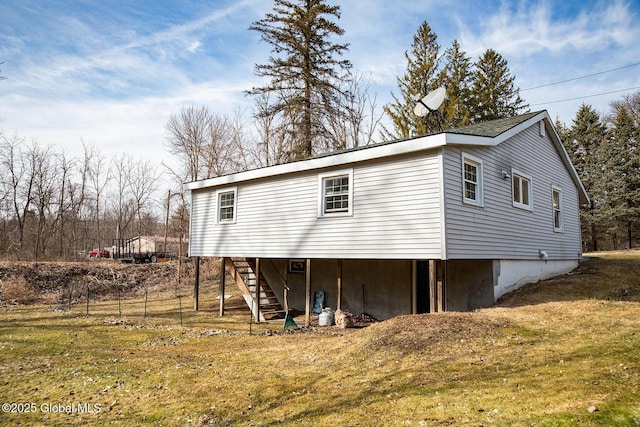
227	206
336	193
556	199
521	191
472	180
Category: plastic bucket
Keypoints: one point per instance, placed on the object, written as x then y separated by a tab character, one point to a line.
325	318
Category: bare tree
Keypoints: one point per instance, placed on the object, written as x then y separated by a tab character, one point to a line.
219	152
99	178
187	133
208	145
267	141
19	185
66	167
143	183
45	180
77	194
241	155
358	119
122	202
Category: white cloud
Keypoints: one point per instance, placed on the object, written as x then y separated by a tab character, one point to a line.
532	28
116	84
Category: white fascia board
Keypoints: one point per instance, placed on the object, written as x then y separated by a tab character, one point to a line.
584	196
462	139
341	159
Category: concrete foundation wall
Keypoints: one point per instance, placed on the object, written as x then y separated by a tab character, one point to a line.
470	284
380	288
383	288
513	274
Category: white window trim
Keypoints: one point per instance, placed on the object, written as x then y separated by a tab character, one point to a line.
221	191
560	229
321	180
519	205
477	162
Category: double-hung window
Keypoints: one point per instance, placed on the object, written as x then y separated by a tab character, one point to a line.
336	193
226	199
522	190
556	200
472	180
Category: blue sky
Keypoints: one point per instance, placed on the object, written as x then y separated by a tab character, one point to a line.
112	71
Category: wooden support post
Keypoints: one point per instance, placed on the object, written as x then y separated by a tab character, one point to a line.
441	285
223	277
286	286
432	285
236	275
196	286
258	290
307	290
339	303
414	287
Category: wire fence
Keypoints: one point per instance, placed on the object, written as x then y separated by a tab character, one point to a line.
170	309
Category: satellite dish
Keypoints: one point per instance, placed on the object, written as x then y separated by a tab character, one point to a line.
430	104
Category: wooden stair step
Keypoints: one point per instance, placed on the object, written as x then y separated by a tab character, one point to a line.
273	304
269	305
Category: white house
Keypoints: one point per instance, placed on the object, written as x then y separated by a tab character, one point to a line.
449	221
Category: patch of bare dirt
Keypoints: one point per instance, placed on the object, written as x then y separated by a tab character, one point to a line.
60	282
415	333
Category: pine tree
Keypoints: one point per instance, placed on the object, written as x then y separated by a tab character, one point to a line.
586	137
622	163
420	78
457	80
562	129
304	72
494	91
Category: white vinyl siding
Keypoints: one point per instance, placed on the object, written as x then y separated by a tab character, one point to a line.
278	217
407	202
499	231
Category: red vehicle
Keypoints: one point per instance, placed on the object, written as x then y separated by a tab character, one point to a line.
100	253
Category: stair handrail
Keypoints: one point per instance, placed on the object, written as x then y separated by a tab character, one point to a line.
282	281
255	311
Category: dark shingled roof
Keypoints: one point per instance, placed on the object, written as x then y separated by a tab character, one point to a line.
492	128
489	129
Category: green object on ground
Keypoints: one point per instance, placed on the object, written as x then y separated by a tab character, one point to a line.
289	322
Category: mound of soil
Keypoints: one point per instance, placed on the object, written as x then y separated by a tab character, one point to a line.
53	283
413	333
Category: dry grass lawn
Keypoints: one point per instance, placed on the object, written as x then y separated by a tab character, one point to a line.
561	352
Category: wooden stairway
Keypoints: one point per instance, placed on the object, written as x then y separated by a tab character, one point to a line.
243	271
